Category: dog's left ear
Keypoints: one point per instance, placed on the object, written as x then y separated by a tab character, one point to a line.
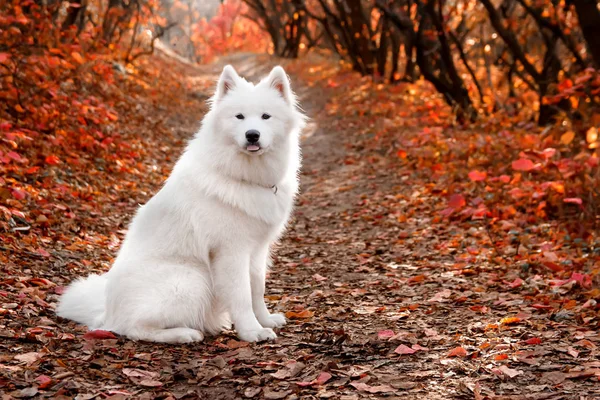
279	81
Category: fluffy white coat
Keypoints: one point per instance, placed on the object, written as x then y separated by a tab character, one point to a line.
195	256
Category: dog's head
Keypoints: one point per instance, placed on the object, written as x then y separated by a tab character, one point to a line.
255	119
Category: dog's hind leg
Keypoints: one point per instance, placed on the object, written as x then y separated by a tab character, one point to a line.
166	303
169	335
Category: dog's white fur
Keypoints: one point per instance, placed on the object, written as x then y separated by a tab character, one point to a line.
195	256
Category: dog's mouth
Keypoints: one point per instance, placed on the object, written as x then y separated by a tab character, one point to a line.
254	148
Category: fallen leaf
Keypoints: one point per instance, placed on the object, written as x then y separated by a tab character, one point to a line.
457	201
299	315
567	137
523	164
363	387
29	358
323	377
477	176
511	373
402	349
43	381
99	335
534	341
385	334
270	394
573	200
510	320
457	352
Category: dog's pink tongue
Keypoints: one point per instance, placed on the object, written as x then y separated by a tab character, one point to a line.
252	147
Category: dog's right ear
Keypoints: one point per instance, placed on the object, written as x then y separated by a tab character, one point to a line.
227	81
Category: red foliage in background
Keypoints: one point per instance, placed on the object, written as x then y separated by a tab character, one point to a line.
228	32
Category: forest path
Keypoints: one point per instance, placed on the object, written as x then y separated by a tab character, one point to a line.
379	300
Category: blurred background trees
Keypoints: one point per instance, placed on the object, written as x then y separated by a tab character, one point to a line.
531	57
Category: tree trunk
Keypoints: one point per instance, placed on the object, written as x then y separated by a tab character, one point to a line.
589	21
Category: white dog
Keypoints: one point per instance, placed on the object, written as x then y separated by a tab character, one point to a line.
195	256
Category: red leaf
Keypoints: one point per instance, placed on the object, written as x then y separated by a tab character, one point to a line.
477	176
19	194
52	160
323	377
15	156
457	352
542	307
99	334
516	283
43	381
504	178
534	340
457	201
583	280
402	349
43	252
385	334
523	164
552	266
4	57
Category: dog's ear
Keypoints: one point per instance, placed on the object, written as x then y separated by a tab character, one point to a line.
279	81
227	81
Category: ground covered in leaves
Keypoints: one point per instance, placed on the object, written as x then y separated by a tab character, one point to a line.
425	261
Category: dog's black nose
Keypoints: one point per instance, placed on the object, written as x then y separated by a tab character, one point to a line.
252	136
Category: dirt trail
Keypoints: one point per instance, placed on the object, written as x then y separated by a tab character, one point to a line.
376	310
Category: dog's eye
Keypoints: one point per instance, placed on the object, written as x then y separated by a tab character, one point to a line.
240	116
266	116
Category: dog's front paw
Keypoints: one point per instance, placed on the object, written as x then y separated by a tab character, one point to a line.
273	321
257	335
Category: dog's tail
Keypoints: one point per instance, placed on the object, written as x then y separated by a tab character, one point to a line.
84	301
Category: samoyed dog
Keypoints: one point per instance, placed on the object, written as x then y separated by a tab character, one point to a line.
195	256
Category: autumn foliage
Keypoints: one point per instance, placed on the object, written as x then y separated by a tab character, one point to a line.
447	231
227	32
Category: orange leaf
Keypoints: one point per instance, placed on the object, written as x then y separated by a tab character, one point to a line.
477	176
591	135
510	320
499	357
4	57
52	160
416	279
299	315
567	137
77	57
457	352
